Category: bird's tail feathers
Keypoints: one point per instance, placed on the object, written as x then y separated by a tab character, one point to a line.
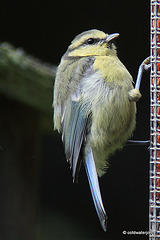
95	190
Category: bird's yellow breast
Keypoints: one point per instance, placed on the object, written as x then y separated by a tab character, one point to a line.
112	69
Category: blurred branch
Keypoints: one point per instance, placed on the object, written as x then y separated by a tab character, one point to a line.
25	78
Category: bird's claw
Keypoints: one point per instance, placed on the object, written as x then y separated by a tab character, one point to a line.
146	64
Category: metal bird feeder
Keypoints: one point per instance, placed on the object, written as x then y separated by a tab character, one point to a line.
154	199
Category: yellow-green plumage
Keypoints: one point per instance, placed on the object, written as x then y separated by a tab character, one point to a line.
92	106
114	119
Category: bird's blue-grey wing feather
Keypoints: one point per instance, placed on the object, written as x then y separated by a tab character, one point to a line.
74	125
74	122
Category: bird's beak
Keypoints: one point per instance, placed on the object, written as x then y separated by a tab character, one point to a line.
111	37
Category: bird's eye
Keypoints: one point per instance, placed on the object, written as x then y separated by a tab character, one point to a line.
90	41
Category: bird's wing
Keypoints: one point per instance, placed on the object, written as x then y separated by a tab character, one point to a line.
95	190
74	123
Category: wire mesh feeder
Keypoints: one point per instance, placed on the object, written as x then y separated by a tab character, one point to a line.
154	204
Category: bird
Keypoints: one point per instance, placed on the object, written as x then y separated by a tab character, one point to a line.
94	103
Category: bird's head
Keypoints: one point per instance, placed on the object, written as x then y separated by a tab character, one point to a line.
92	43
